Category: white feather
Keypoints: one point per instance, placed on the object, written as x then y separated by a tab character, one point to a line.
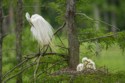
28	17
84	59
41	29
91	64
80	67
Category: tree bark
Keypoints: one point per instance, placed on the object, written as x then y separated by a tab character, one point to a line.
72	35
37	7
97	17
1	40
19	26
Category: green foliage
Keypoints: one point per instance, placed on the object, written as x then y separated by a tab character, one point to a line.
54	12
96	78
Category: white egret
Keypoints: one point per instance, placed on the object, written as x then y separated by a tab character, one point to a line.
41	30
80	67
91	64
85	60
88	63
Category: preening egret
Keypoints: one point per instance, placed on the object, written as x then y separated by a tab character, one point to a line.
80	67
42	31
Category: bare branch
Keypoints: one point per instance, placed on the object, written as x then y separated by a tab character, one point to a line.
60	28
37	66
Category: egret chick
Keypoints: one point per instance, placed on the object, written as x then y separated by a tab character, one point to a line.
84	59
80	67
91	64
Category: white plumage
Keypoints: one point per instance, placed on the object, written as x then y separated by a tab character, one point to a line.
84	59
91	64
80	67
86	64
40	28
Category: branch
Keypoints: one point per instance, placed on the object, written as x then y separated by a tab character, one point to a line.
96	38
62	47
3	36
49	68
19	72
30	57
37	66
75	73
83	14
6	74
60	28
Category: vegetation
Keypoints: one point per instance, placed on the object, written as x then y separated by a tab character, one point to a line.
99	34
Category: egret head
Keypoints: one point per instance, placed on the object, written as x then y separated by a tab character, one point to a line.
28	17
84	59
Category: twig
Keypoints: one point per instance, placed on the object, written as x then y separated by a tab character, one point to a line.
62	47
18	72
61	40
49	68
60	28
37	66
14	68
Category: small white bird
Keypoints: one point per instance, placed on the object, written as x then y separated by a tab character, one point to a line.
80	67
40	28
91	64
88	63
85	60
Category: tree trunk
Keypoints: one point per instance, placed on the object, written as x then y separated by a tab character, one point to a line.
113	21
19	26
106	15
113	15
1	21
97	17
11	17
37	6
72	35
